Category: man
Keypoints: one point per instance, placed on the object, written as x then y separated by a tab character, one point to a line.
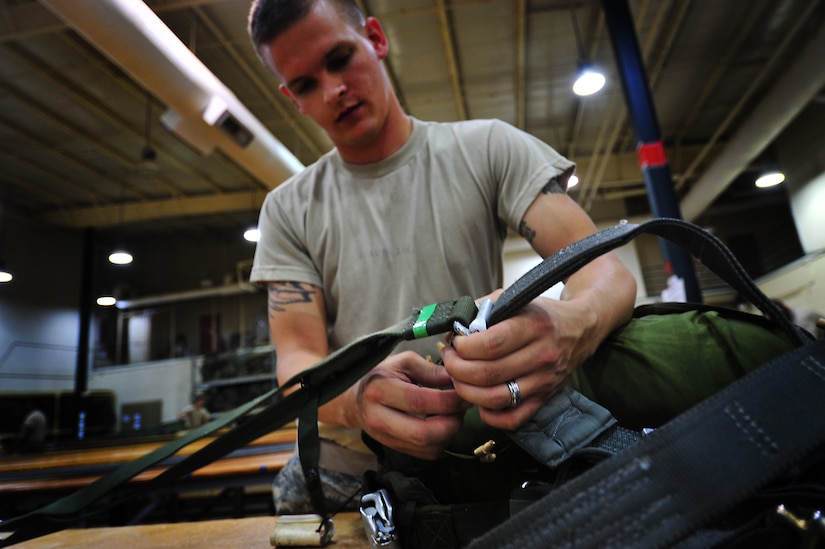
32	437
400	214
194	415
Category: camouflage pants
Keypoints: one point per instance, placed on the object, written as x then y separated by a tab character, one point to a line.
292	497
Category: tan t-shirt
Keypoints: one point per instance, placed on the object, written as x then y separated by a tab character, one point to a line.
425	225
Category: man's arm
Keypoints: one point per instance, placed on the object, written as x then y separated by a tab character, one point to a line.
548	339
603	287
298	327
401	402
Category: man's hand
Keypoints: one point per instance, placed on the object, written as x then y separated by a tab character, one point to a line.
538	348
407	403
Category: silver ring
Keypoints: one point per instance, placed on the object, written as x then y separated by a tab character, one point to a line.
515	393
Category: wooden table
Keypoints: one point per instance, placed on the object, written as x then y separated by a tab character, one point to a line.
69	470
251	533
237	480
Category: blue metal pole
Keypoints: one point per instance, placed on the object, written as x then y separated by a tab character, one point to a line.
650	150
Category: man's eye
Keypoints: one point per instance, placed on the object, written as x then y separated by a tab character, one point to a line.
339	62
303	88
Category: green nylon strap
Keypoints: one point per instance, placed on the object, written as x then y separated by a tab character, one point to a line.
420	326
320	384
309	444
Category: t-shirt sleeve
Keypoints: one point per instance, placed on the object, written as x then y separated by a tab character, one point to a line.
280	254
523	165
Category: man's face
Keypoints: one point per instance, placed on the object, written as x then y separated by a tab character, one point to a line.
332	72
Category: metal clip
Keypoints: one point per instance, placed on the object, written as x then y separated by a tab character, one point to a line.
479	323
376	514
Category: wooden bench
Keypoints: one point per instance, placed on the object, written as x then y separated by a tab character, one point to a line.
30	481
251	533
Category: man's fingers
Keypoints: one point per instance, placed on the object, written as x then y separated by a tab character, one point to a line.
422	437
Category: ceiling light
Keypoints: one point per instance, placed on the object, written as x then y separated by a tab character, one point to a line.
573	181
252	234
5	274
148	162
589	81
770	179
106	301
120	257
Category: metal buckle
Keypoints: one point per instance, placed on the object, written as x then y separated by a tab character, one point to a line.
479	323
376	514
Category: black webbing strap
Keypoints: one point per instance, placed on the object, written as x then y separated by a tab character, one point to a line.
320	384
704	461
688	471
710	251
703	245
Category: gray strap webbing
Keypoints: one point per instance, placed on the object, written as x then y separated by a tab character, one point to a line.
566	423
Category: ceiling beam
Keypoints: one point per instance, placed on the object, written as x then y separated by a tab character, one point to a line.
791	93
621	171
453	68
152	210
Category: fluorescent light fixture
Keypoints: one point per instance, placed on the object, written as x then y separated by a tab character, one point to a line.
588	82
5	276
106	301
120	257
252	234
573	181
770	179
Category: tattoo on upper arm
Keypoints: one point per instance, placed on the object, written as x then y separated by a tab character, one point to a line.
282	294
528	233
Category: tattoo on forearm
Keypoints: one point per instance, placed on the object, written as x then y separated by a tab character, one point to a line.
282	294
525	231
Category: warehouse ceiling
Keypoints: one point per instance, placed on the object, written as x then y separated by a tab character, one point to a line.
99	128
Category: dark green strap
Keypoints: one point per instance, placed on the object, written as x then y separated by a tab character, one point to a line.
319	385
309	444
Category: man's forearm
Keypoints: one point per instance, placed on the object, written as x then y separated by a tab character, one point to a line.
338	411
607	288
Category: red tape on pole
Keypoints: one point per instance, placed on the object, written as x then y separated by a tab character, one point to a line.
651	155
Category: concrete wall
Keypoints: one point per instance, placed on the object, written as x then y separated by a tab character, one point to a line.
39	323
169	381
801	150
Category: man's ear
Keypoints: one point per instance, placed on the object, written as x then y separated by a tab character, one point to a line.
285	91
375	34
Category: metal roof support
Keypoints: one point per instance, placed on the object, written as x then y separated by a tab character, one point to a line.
797	87
133	37
650	150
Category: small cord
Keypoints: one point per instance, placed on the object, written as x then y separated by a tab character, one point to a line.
329	516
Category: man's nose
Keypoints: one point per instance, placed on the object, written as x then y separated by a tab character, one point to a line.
334	88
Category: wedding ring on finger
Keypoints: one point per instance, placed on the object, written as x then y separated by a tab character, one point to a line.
515	393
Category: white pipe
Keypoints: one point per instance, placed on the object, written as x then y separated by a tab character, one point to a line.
130	34
795	89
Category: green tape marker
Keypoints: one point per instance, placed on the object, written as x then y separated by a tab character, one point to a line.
420	326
